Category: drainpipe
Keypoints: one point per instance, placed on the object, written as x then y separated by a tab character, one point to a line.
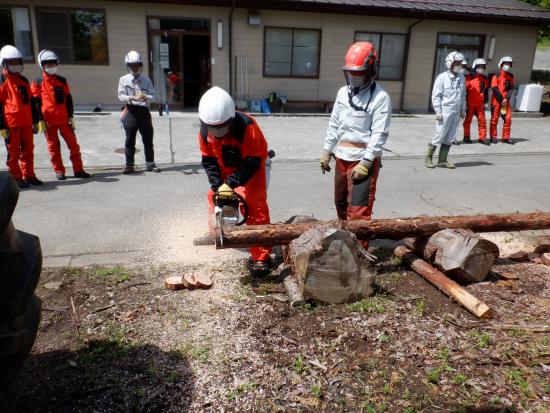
230	47
406	62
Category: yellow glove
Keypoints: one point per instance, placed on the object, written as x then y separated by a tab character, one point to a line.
225	192
41	126
72	123
361	171
4	133
325	160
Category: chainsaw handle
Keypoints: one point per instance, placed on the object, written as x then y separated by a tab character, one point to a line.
242	202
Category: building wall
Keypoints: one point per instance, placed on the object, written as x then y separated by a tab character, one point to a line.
127	30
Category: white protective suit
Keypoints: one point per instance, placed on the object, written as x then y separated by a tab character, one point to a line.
368	127
449	100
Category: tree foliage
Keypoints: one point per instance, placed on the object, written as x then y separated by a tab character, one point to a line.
544	30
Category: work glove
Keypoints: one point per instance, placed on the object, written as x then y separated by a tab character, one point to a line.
361	171
225	192
72	123
438	117
4	133
41	126
325	160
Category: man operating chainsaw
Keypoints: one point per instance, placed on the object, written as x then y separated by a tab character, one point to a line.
234	153
357	129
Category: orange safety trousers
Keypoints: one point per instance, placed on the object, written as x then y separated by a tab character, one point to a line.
479	111
354	200
507	122
255	195
54	147
20	148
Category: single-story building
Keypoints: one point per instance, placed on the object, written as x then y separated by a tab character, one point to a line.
254	47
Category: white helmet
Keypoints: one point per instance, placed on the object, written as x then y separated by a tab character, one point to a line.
133	57
9	52
216	107
47	56
453	57
505	59
479	62
464	62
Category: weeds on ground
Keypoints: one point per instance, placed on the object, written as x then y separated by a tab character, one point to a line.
112	275
369	305
240	389
483	339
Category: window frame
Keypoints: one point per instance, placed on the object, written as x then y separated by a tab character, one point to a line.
71	42
291	76
379	52
21	6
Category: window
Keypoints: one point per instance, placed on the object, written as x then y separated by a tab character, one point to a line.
15	29
291	52
77	36
470	45
391	52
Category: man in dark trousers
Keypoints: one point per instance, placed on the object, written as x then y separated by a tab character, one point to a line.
136	90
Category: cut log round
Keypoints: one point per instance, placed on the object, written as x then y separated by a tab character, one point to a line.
460	254
326	267
203	281
444	284
189	281
174	283
397	228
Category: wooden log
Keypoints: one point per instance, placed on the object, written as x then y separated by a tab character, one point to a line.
460	254
444	284
397	228
327	267
173	283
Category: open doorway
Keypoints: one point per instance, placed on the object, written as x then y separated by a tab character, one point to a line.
180	60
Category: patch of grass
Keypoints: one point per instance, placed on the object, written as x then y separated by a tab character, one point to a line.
434	375
383	337
368	305
113	274
516	377
240	389
387	389
200	353
316	391
460	379
420	306
444	355
299	365
115	346
407	395
172	376
369	407
483	339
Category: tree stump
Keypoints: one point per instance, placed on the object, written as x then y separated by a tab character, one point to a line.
326	265
461	254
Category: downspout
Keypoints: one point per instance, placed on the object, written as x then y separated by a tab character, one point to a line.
230	47
406	62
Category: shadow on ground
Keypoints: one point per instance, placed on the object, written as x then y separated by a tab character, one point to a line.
106	375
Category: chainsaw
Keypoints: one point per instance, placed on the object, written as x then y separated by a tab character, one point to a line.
227	212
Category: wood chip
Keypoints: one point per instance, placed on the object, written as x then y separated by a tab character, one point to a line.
504	274
519	256
189	281
545	258
203	282
54	285
174	283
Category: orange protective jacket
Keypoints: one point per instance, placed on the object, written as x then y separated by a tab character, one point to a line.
501	85
477	88
54	99
19	107
234	159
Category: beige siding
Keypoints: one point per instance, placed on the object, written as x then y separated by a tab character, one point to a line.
126	30
337	35
518	42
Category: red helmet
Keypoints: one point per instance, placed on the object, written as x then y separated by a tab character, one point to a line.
360	57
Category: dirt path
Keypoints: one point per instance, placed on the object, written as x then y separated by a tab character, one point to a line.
129	345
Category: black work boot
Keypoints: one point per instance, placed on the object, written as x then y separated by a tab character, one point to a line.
508	141
467	139
34	181
60	176
22	184
260	268
443	154
82	174
493	140
128	169
152	167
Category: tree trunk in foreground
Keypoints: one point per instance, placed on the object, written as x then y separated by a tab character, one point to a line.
397	228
